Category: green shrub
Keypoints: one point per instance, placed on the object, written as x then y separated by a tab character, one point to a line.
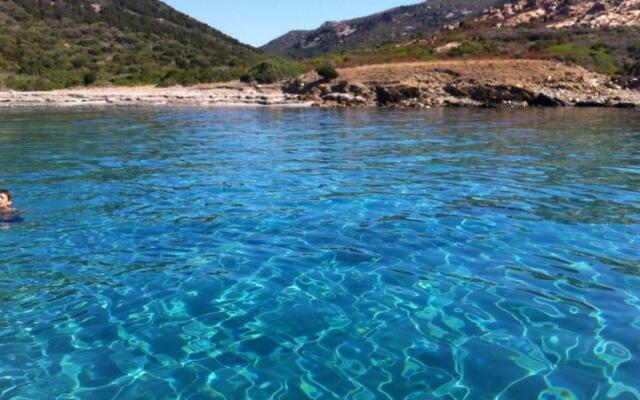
273	70
90	78
171	78
597	57
246	78
327	72
471	47
28	83
538	46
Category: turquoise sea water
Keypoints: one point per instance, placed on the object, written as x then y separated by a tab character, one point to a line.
307	254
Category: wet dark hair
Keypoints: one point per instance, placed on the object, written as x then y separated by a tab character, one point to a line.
8	193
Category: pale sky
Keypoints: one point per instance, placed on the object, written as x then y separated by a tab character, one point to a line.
256	22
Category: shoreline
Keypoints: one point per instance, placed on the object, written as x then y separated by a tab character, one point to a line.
466	83
235	95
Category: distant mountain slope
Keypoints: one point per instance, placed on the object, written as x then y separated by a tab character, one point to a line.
601	35
388	26
49	44
560	14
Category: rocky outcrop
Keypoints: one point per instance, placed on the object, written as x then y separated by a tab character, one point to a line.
566	13
459	93
627	82
398	95
463	94
342	93
498	83
499	95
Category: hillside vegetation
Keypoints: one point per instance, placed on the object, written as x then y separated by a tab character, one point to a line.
605	38
56	44
53	44
613	51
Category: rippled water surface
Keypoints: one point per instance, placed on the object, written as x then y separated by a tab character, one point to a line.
287	254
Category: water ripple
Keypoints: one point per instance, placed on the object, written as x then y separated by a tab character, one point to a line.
291	254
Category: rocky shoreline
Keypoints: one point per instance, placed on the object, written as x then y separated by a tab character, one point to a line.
477	83
494	83
235	95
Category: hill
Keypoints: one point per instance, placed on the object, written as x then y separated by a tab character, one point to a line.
398	24
600	35
55	44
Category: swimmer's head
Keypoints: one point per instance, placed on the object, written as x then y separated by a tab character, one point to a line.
5	198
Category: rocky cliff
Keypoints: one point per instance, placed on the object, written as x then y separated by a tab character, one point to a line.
566	13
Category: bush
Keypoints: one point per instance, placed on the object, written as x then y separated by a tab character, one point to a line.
29	83
471	48
90	78
272	71
246	78
596	58
327	72
265	72
168	82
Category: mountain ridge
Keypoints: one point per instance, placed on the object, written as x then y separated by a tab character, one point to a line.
386	26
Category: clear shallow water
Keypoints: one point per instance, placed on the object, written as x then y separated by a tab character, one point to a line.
292	254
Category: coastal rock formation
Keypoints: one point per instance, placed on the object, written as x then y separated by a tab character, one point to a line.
627	82
497	83
501	94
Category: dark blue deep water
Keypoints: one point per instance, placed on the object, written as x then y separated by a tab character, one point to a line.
307	254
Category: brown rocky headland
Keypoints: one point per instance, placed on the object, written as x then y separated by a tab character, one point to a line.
469	83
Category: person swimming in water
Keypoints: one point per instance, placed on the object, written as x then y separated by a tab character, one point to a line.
7	213
5	200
